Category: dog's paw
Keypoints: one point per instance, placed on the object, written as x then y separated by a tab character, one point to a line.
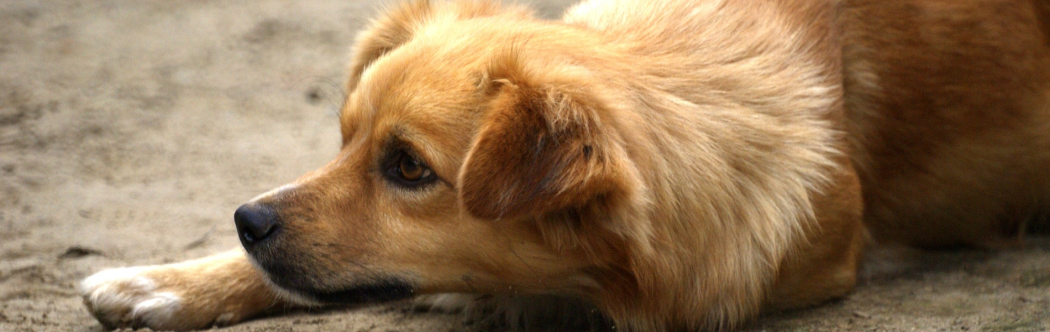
217	290
132	297
155	297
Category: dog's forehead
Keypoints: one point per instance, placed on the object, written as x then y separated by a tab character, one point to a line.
413	91
433	82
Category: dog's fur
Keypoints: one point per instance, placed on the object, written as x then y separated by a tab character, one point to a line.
678	165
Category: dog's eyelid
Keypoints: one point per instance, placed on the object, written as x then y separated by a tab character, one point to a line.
399	146
400	140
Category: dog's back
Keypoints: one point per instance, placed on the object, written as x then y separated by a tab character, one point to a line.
949	117
948	102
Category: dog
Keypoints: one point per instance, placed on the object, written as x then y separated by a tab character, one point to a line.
677	165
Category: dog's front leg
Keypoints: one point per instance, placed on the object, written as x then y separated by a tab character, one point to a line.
216	290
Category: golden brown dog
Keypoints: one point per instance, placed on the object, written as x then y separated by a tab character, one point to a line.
678	165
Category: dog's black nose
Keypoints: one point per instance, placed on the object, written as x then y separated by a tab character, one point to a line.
255	222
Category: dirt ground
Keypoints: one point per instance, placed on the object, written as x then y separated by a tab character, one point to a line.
131	130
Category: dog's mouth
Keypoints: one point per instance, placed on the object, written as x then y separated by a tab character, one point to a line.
293	280
382	291
373	291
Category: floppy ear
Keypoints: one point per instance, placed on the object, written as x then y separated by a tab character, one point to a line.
403	20
542	147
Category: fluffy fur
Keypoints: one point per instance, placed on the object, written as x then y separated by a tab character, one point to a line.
677	165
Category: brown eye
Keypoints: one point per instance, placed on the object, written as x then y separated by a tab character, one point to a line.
410	169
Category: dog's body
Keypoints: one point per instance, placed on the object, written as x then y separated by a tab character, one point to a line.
678	164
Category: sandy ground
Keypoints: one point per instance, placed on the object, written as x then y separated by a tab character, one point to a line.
131	130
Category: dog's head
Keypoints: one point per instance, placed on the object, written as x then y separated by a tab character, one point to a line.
476	157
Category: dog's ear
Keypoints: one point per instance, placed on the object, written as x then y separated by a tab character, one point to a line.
545	145
401	22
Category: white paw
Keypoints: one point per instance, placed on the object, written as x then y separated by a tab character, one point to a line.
127	297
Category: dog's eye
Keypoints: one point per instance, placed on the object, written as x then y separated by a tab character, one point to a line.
409	171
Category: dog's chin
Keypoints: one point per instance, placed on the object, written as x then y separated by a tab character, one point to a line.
385	290
371	293
296	285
